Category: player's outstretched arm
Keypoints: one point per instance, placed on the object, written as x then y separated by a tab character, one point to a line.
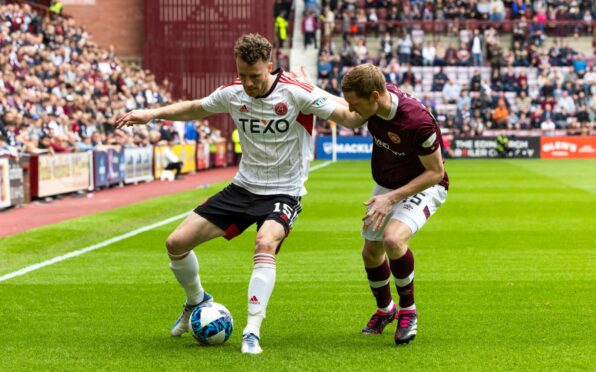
343	116
185	110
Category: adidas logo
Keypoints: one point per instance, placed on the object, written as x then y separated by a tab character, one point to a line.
243	108
254	300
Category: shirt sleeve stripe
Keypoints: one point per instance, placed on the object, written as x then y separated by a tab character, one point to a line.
286	80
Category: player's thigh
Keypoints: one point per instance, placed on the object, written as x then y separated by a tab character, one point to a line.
373	253
193	231
269	237
276	215
415	210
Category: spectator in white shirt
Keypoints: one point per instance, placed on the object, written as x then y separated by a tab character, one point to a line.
451	91
404	45
566	103
429	53
477	48
497	11
548	127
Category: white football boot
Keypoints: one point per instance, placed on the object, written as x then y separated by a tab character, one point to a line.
182	325
250	344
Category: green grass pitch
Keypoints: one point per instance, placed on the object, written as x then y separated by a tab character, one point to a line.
505	280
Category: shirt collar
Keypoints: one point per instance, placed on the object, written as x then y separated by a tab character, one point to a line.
393	111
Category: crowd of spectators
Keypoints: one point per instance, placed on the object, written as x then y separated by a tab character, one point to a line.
60	92
560	93
381	13
560	99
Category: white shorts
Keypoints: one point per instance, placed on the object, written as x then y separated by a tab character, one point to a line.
413	211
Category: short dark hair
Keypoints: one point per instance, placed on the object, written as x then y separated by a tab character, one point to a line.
363	80
252	47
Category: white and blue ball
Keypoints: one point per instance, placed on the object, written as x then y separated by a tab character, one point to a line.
211	324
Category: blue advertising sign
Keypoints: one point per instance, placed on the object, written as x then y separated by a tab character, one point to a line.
100	169
138	164
347	147
116	166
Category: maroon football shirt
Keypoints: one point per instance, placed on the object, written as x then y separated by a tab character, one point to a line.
398	142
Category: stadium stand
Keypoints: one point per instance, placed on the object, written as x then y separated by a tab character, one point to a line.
60	92
480	66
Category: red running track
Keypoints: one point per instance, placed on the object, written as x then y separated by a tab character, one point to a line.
39	214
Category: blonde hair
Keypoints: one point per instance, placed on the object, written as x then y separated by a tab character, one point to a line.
363	80
252	47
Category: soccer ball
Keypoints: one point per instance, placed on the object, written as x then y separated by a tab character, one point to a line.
211	324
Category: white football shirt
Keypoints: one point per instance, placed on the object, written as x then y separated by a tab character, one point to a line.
274	132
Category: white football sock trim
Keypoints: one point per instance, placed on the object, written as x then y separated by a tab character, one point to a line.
404	281
379	283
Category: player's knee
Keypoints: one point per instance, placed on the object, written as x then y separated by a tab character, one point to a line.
371	257
265	245
395	244
176	245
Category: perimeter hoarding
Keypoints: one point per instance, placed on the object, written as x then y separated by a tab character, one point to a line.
486	147
186	153
474	147
17	183
108	167
202	156
568	147
138	164
220	154
60	173
348	147
4	183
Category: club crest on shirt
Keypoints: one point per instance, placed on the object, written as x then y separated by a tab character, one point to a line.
429	141
394	137
281	109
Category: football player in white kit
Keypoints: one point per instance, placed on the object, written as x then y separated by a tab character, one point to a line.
274	115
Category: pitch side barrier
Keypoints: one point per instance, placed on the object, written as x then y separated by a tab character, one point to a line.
12	189
109	168
346	147
486	147
543	147
193	157
48	175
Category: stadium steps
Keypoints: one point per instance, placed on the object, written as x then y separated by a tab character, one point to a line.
298	55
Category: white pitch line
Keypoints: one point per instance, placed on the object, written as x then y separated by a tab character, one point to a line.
93	247
322	165
105	243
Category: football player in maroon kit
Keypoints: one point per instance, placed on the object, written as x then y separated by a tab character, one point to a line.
411	184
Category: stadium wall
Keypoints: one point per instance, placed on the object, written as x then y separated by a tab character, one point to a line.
112	22
191	43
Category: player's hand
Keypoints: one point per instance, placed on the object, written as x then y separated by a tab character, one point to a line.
304	76
134	117
379	208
